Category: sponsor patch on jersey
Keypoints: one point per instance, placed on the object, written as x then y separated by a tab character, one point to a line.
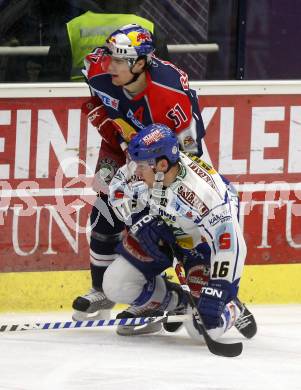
201	163
132	117
192	199
109	100
166	215
219	218
197	278
203	174
224	238
188	141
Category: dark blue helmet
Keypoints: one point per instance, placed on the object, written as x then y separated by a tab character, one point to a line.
154	141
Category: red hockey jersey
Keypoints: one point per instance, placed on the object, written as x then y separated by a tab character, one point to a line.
166	99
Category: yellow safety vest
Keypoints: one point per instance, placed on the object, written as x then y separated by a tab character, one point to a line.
91	29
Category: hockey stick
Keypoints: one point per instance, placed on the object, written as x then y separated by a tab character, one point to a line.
92	323
215	347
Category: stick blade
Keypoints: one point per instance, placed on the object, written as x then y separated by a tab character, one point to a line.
222	349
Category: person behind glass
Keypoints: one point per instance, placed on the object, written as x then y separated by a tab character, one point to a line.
131	88
82	34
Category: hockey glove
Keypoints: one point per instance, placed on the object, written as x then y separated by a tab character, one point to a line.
154	235
126	201
212	302
108	128
194	256
98	117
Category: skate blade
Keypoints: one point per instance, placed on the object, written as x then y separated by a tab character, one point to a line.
139	330
97	315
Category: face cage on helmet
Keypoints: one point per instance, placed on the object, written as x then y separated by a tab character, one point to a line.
129	54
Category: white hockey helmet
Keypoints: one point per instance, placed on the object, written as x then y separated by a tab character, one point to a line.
131	42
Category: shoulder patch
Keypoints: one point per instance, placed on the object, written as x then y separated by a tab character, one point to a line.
204	171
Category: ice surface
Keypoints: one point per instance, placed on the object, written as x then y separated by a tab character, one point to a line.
98	359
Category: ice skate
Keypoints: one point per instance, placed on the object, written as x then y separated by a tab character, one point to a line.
92	306
180	309
134	311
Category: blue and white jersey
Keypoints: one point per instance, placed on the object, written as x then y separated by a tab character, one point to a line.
199	206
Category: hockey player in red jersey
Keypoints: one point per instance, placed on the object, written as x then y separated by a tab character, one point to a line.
131	89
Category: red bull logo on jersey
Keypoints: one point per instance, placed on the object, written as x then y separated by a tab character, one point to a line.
152	137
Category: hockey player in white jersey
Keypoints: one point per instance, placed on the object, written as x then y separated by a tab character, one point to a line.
172	200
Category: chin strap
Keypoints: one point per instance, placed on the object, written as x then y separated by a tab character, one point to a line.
134	78
135	75
157	193
167	170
